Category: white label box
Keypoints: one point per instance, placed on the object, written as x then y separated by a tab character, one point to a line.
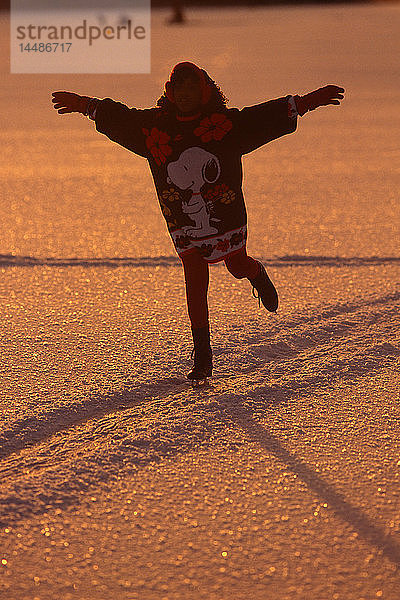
93	36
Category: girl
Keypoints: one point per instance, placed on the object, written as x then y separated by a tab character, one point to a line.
194	145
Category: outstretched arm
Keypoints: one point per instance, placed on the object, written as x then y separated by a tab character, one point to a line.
329	94
68	102
123	125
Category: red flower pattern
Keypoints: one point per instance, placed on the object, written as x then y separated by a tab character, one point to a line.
216	191
182	241
236	238
157	143
213	127
222	245
206	249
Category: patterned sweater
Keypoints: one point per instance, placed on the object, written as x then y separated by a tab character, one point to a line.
196	164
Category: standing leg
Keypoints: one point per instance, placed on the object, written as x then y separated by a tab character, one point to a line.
196	279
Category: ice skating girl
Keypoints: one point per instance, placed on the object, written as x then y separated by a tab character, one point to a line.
194	145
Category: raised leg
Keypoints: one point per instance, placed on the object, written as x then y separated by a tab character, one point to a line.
241	265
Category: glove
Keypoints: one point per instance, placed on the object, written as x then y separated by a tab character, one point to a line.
330	94
69	102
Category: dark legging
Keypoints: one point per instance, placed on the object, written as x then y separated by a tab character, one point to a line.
196	271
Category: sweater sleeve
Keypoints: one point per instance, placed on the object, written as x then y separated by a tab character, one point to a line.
259	124
123	125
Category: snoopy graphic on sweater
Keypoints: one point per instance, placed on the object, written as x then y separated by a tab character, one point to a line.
191	171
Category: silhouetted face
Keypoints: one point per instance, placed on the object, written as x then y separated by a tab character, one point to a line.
187	94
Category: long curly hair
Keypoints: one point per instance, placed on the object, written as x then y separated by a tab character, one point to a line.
217	101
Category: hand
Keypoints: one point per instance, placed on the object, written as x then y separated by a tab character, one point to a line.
329	94
68	102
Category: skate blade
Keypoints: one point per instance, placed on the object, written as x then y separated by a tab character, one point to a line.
196	383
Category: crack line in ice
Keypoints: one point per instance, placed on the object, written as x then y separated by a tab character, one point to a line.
11	260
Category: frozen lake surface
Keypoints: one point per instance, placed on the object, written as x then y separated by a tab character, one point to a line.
280	479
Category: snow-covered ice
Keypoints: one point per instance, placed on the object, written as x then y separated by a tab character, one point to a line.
278	480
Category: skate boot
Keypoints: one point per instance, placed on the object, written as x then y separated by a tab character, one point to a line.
202	352
266	290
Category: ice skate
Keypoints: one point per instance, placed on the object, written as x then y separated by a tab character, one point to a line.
202	355
267	293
